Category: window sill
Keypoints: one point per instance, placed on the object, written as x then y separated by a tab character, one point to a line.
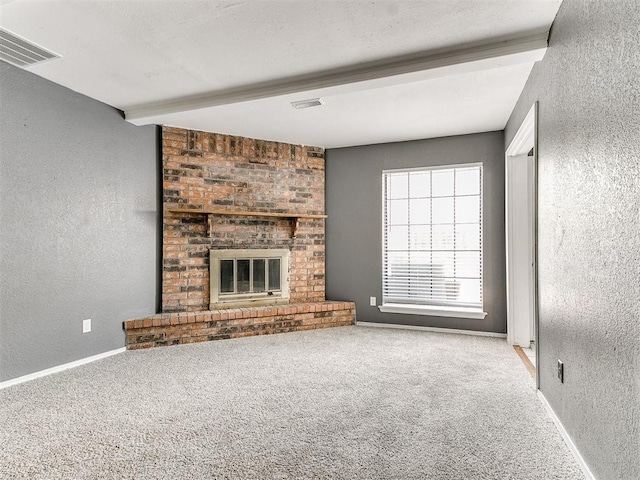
457	312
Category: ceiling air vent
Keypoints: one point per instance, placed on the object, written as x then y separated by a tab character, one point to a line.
20	52
312	102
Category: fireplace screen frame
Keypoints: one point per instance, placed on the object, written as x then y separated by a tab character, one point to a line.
218	299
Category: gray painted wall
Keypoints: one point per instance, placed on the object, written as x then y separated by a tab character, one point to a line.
588	90
78	216
354	223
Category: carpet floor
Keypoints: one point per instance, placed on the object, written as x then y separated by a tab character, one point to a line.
340	403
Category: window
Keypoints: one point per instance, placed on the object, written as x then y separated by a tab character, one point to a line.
432	241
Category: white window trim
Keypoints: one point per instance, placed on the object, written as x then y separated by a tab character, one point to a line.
433	311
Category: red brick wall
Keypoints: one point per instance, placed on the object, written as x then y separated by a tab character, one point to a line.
208	170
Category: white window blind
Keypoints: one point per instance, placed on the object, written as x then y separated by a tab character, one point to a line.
432	236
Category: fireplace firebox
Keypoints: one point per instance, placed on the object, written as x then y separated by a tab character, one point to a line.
248	277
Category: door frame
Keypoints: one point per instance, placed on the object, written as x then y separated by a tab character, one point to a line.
525	138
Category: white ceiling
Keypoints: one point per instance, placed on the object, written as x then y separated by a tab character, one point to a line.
386	70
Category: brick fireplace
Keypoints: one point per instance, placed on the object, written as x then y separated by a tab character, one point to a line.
224	192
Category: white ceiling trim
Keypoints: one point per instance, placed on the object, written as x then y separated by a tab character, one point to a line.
525	48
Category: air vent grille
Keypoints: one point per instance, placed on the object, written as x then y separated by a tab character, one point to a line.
20	52
312	102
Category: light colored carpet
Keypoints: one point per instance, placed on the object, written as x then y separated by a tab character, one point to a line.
341	403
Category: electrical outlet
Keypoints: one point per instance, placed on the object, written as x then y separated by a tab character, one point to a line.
372	301
86	325
560	371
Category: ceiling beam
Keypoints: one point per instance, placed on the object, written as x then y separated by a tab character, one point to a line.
529	47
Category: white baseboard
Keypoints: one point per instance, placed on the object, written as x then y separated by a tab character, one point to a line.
59	368
432	329
567	439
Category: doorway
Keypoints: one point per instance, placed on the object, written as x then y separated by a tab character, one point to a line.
520	226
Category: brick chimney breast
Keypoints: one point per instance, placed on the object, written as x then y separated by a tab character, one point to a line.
210	171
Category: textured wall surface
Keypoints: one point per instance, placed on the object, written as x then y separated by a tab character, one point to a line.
209	170
78	220
354	223
589	227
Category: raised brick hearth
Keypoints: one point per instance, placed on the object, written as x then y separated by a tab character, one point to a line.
191	327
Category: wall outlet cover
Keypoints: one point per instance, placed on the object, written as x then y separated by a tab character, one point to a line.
86	325
372	301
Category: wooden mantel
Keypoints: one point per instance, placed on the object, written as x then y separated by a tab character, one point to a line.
295	217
